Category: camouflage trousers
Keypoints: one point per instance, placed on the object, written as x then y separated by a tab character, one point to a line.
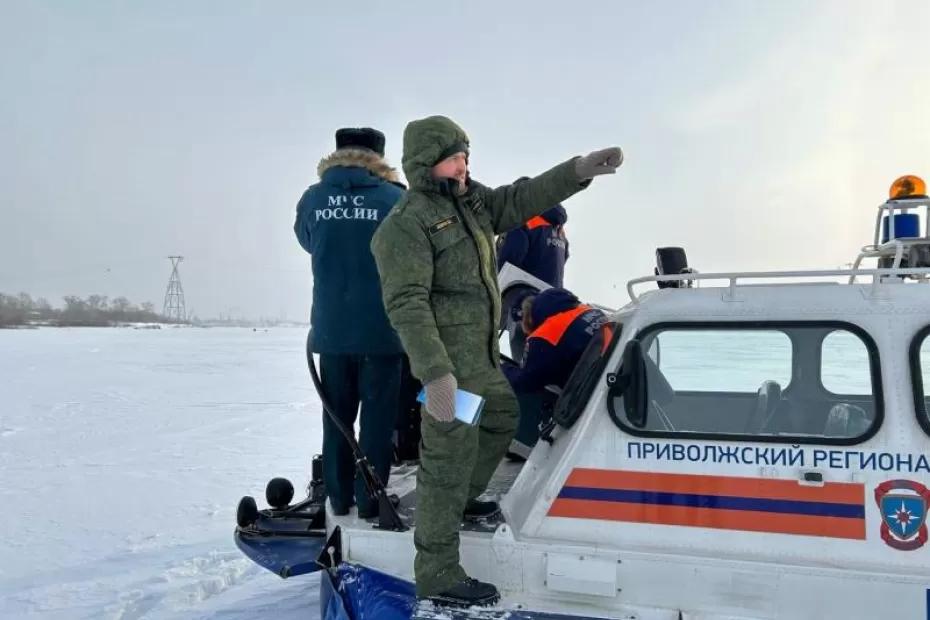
456	463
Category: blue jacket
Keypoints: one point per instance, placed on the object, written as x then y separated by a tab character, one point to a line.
538	247
336	219
564	327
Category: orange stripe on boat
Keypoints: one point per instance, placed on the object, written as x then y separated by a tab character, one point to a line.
762	488
831	527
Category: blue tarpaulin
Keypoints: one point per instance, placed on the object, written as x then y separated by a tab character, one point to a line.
365	593
353	592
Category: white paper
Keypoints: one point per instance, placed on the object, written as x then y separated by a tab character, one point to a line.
468	406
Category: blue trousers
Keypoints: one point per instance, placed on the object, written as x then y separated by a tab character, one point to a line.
370	383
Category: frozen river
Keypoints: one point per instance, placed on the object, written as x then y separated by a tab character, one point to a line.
123	454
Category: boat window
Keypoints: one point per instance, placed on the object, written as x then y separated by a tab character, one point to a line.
844	365
721	360
920	375
792	382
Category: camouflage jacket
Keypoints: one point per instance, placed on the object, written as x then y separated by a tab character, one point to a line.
436	259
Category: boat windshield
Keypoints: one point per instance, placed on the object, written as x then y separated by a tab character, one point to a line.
786	382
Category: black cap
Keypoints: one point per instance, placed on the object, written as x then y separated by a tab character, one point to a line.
360	138
458	147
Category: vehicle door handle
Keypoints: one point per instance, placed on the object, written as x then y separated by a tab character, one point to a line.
812	477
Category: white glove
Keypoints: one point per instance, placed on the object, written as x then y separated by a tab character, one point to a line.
440	398
605	161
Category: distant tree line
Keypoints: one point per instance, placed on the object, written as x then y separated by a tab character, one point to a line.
94	311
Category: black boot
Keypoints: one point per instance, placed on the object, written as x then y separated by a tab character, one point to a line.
466	593
477	510
372	511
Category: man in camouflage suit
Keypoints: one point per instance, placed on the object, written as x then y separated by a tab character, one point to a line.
435	256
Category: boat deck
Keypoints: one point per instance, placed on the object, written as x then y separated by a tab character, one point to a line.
403	483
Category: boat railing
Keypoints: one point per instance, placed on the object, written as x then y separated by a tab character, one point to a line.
738	279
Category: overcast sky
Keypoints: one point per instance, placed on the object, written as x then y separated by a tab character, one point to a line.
758	134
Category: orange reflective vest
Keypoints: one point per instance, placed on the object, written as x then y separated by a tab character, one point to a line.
553	328
537	222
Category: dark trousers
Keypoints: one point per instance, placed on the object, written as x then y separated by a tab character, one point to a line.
407	427
372	381
531	404
535	409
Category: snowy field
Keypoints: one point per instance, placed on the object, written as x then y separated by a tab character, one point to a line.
123	454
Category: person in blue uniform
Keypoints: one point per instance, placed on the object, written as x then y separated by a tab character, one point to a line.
361	355
559	328
540	248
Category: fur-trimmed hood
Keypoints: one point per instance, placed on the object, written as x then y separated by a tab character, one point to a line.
359	158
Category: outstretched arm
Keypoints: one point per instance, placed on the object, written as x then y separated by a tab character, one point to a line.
512	205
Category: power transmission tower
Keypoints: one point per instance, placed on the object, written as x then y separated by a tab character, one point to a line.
174	295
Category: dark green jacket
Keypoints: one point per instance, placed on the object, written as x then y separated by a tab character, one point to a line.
435	254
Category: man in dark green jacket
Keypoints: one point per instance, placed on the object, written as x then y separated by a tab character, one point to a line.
435	256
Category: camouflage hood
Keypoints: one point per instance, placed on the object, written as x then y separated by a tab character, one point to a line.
425	140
